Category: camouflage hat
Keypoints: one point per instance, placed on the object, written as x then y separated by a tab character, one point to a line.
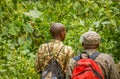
90	37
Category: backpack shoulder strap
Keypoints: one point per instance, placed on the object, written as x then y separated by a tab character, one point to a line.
94	55
80	56
50	51
59	51
77	57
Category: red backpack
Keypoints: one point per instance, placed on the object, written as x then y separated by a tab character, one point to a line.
87	68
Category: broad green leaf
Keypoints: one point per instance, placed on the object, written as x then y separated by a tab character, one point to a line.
29	40
31	55
33	13
18	18
1	14
82	22
19	24
2	70
113	22
97	24
12	68
28	28
86	10
25	51
4	31
75	5
105	22
21	40
12	29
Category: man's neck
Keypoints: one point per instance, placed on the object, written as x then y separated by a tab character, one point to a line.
90	51
57	38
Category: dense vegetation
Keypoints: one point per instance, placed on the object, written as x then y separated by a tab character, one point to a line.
24	26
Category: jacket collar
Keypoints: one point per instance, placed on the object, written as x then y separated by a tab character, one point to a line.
90	51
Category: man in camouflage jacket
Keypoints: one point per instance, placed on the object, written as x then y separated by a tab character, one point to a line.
90	42
58	33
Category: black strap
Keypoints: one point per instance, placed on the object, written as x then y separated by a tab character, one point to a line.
77	57
83	54
105	75
50	51
109	72
81	73
96	73
65	65
59	51
93	56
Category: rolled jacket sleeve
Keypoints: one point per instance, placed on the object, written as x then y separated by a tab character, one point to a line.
37	60
107	66
71	65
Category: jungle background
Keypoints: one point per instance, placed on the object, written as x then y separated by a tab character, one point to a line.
24	26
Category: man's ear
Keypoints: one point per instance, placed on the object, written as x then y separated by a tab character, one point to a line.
97	45
82	44
62	35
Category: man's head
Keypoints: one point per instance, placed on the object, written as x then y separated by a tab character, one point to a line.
58	31
90	40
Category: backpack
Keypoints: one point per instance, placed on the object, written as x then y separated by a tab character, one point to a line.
87	68
53	69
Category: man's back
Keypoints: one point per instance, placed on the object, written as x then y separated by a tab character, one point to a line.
107	65
105	62
44	56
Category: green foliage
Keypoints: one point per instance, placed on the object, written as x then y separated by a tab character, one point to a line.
24	26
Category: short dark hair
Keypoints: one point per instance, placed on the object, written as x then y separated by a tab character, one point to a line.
56	29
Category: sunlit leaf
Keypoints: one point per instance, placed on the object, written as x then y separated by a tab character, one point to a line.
12	30
19	43
76	4
28	28
105	22
97	24
12	68
113	22
21	40
33	13
2	70
82	22
25	51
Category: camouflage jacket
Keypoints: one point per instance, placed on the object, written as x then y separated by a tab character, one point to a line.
105	62
118	67
43	55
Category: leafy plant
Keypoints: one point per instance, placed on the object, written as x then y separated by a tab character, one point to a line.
24	26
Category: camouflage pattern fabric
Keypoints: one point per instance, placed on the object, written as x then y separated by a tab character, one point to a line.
118	67
90	37
105	62
43	56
